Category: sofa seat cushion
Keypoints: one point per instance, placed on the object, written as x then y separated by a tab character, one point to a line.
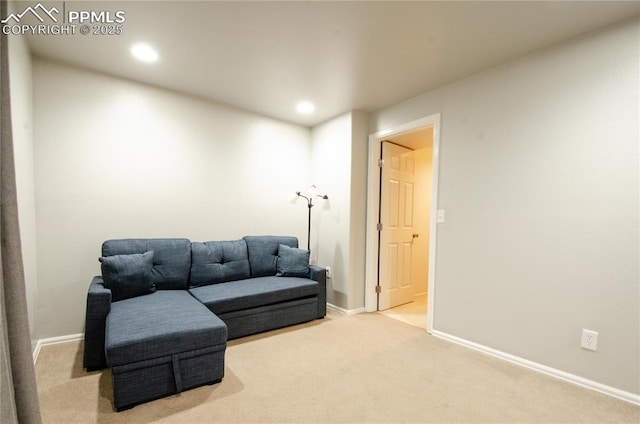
164	323
254	292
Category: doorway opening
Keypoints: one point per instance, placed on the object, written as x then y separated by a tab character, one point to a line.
401	221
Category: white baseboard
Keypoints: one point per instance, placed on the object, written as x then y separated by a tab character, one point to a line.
55	340
343	311
562	375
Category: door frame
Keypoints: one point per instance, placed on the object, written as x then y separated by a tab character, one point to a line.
373	210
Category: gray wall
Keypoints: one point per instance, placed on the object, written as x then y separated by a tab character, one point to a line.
539	179
118	159
22	125
357	252
339	169
331	171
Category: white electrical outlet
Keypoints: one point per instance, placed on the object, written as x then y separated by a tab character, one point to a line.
589	340
328	268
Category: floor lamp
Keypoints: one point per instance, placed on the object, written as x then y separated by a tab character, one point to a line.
309	198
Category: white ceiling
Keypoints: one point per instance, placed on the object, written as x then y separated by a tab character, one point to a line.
265	56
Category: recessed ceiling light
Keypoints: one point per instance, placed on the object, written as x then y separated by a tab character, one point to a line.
305	107
144	53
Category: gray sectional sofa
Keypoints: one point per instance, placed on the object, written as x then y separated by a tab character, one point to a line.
162	311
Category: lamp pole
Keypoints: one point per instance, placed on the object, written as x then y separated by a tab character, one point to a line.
309	200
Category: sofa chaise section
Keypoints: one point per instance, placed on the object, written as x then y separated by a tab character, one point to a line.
161	344
159	341
170	271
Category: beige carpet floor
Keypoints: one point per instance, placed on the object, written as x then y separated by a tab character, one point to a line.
364	368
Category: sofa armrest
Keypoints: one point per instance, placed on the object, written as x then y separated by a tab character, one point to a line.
319	274
98	307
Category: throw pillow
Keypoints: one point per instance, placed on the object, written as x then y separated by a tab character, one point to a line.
292	262
128	275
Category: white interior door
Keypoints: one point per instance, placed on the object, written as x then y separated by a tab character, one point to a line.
396	233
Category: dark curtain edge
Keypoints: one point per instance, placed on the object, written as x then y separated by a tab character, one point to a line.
15	325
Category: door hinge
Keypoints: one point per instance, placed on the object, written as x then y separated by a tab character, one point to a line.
379	226
378	289
380	163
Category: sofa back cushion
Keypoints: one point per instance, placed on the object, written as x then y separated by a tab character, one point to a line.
171	259
218	262
263	253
